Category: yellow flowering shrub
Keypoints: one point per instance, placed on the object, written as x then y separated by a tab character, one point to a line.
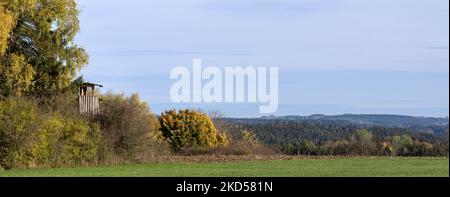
190	128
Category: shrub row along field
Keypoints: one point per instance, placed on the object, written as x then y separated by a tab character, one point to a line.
50	133
300	167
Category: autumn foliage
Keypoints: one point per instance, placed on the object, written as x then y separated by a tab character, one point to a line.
190	128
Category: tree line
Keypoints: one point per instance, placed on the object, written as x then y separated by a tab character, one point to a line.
342	138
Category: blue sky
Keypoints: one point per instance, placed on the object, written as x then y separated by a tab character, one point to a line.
334	56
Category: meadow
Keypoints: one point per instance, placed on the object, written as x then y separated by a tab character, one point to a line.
297	167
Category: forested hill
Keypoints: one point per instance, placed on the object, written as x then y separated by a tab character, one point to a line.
338	133
372	119
429	125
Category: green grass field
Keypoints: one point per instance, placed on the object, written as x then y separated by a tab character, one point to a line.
334	167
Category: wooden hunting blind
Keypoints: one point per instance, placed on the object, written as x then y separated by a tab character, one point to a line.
88	101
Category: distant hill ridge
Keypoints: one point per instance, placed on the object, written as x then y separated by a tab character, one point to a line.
387	120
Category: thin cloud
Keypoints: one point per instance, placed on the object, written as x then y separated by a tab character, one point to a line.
162	52
436	47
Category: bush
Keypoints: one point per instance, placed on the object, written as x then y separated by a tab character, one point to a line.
30	138
363	143
18	123
307	147
189	128
65	104
129	128
70	141
246	144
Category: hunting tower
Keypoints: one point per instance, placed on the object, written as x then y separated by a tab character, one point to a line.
88	101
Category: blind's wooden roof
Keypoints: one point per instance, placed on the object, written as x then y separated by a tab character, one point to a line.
88	84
